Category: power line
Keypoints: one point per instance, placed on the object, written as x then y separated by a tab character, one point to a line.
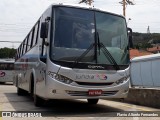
12	41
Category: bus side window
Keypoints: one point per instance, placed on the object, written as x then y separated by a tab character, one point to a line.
26	43
32	37
35	37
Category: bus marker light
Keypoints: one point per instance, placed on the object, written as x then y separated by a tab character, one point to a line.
53	91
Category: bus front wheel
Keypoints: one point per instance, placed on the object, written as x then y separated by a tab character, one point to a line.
38	101
92	101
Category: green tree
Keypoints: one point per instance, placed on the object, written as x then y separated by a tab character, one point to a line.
86	1
7	52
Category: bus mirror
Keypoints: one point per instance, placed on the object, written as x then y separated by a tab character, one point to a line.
44	30
130	37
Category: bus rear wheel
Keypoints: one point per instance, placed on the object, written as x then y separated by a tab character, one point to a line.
2	82
92	101
21	91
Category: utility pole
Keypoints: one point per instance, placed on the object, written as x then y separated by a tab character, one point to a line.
124	4
124	7
89	1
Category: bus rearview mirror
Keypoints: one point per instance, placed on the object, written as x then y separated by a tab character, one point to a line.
44	30
130	38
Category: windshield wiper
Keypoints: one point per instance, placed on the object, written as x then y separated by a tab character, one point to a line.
106	52
83	54
98	43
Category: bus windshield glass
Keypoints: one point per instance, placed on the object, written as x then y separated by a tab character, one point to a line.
78	31
6	66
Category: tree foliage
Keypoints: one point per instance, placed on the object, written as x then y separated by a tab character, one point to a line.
7	52
86	1
145	40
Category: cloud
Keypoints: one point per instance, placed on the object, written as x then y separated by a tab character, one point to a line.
18	16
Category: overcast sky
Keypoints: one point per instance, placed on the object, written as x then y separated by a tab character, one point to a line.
18	16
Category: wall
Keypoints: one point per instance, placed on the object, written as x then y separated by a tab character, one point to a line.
143	96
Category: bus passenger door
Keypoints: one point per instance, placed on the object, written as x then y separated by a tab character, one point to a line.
43	50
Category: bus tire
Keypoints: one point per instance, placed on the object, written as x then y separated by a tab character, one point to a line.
32	86
92	101
2	82
20	91
38	102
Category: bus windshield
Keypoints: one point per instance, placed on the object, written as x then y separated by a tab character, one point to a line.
6	66
79	31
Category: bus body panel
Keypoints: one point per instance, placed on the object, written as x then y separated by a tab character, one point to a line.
6	76
24	67
57	90
30	62
6	70
40	80
86	77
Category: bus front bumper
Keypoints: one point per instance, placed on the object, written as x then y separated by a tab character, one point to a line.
58	90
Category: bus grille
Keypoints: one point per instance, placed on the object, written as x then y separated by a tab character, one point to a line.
85	93
94	84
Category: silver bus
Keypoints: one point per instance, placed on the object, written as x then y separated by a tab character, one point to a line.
74	52
6	70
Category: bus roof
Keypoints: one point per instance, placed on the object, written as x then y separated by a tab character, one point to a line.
84	7
7	60
146	58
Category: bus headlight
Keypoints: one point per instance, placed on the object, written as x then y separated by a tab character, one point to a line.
60	78
122	80
63	79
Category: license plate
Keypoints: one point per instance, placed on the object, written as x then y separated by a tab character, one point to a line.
94	92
